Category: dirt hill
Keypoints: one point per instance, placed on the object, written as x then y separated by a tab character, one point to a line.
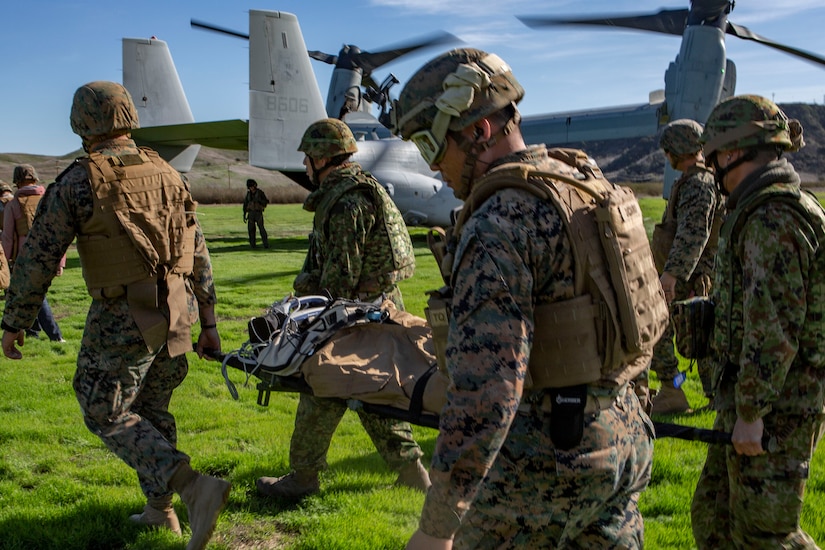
639	160
220	176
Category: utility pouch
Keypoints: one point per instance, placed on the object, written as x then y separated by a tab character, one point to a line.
437	314
693	326
565	423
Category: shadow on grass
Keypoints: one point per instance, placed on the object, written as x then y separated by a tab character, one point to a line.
85	526
229	245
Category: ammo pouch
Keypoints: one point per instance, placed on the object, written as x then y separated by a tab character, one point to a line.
565	423
693	325
437	314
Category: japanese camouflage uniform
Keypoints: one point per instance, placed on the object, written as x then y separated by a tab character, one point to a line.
514	254
689	230
769	363
138	324
359	249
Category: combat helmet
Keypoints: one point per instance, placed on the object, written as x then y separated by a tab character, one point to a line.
102	109
452	92
747	121
681	137
24	173
327	138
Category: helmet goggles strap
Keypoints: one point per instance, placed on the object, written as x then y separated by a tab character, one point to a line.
459	92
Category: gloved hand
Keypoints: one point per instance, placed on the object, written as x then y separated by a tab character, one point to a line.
245	217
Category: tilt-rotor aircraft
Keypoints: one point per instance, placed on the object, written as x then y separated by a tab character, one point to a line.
699	78
284	99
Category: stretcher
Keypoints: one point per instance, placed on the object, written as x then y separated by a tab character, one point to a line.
368	354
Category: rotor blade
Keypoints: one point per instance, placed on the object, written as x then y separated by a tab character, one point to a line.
746	34
369	61
209	27
324	57
664	21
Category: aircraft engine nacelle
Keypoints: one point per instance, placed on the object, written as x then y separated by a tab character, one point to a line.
344	91
694	81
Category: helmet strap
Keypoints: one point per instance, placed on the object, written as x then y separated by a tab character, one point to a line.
720	173
473	149
316	180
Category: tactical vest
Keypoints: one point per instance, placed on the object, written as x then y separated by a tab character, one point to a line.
141	232
28	205
257	201
606	333
389	242
664	233
23	224
812	222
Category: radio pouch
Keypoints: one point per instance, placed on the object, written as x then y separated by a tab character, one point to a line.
566	418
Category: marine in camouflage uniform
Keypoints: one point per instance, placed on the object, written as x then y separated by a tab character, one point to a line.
684	245
768	341
254	204
499	481
126	372
359	249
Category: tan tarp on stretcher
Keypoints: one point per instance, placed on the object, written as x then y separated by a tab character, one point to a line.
378	363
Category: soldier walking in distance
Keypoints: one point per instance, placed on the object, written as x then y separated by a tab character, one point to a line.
17	220
359	249
513	466
6	194
684	247
254	204
148	271
768	344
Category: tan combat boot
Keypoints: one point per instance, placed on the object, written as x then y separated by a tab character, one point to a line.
205	497
670	400
158	512
414	475
296	484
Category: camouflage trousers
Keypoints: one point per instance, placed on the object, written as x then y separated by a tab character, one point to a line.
124	393
255	220
754	502
537	496
315	424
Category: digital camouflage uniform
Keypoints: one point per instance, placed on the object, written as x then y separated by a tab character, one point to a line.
254	204
358	250
769	363
692	210
123	389
498	479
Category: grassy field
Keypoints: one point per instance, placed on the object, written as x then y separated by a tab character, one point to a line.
60	488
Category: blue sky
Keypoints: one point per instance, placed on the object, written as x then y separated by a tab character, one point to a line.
50	47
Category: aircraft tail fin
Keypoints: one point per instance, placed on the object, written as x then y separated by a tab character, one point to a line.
152	79
284	98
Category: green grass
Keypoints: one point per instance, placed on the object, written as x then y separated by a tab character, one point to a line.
60	488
